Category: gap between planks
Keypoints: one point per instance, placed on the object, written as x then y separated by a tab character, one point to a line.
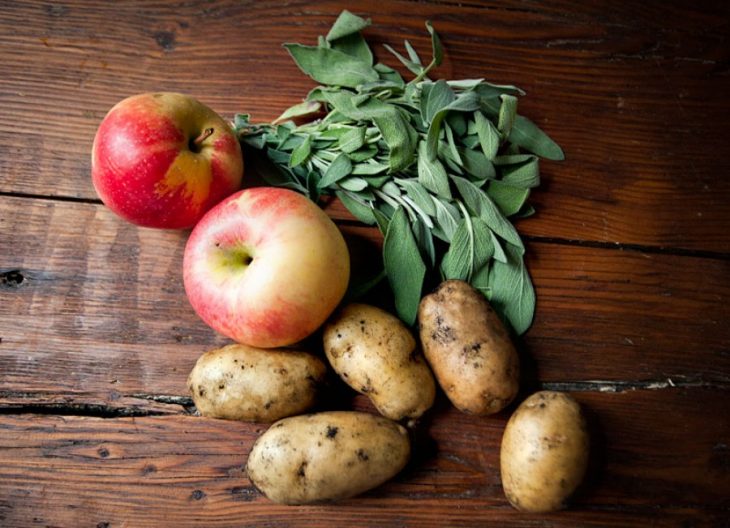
185	405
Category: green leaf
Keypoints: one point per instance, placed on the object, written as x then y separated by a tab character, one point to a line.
424	240
359	209
340	168
346	24
355	46
389	74
412	54
507	113
377	181
330	66
436	47
470	249
446	219
525	174
412	66
511	291
381	218
431	174
457	122
434	97
302	109
477	164
404	266
353	184
528	135
489	137
368	169
487	90
451	142
352	140
418	193
479	204
466	102
364	153
301	152
509	199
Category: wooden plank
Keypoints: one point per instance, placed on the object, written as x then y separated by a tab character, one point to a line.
640	110
96	312
657	460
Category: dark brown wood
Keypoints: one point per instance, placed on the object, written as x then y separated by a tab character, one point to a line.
103	302
629	252
636	96
187	471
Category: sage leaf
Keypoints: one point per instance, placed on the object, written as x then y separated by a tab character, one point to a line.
346	24
488	134
446	220
369	168
412	66
412	54
358	208
451	142
301	152
362	154
377	181
431	174
404	266
434	97
381	219
330	66
302	109
389	74
511	291
353	184
470	249
508	198
477	165
352	140
507	113
418	193
479	204
424	240
355	46
436	47
487	90
528	135
525	175
340	168
465	102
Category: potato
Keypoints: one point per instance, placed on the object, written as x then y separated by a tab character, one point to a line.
375	354
326	456
544	452
468	348
239	382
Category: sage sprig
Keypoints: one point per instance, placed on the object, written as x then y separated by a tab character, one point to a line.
439	166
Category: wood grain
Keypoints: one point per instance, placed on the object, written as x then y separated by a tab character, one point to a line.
102	302
639	106
187	471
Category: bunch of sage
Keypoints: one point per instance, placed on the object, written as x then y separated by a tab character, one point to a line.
439	166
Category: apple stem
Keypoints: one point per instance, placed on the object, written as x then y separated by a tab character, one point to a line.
205	134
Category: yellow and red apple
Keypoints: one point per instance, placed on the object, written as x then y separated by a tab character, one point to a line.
164	159
265	267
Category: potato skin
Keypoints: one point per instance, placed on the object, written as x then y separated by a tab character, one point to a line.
544	452
376	354
326	456
468	348
239	382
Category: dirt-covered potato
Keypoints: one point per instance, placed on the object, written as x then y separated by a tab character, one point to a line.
375	354
239	382
468	348
326	456
544	452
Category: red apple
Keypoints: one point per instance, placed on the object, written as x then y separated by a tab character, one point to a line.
265	267
164	159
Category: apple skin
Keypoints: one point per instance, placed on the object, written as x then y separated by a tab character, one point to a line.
266	267
146	168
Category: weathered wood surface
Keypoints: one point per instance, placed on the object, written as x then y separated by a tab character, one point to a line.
636	95
629	252
188	471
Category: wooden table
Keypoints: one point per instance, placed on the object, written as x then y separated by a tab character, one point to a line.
629	252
